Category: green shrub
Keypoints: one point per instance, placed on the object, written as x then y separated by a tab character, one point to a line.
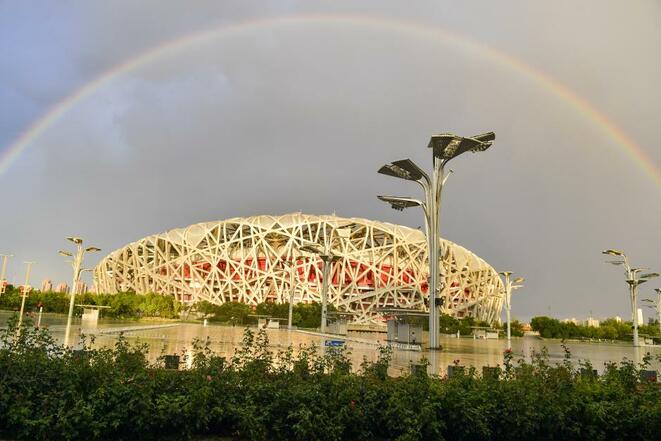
48	392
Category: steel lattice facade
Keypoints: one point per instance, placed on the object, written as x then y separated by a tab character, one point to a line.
242	259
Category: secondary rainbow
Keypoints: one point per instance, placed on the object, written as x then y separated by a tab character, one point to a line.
583	106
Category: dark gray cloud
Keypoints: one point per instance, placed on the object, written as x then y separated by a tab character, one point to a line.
299	117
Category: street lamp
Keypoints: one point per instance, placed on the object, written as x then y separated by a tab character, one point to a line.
633	280
327	257
4	269
656	305
445	147
509	286
26	288
76	263
291	266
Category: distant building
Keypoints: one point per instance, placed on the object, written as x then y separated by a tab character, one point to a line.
46	285
591	322
81	287
62	287
617	319
573	320
640	316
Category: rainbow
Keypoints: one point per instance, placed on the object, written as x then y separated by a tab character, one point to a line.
461	42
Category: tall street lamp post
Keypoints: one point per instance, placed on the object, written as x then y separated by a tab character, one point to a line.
632	279
445	147
26	288
509	286
327	257
76	263
656	304
4	271
291	266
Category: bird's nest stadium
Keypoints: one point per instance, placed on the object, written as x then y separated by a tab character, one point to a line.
259	259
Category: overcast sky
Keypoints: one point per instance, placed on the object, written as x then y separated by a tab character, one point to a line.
298	116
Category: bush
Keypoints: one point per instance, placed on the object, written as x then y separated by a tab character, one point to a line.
49	392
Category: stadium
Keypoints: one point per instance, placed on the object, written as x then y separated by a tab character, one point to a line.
259	259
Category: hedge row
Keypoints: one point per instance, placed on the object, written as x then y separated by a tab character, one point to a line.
49	392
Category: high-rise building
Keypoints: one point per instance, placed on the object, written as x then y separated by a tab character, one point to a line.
46	285
81	287
62	287
591	322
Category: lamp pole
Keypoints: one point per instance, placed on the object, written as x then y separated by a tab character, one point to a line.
509	286
656	304
658	307
327	257
25	294
445	147
4	271
632	279
292	288
76	263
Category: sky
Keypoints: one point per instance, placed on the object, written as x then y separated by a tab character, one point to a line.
272	107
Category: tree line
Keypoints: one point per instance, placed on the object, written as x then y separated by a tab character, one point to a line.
609	329
122	305
304	315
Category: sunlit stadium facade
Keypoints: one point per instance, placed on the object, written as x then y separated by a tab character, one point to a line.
247	260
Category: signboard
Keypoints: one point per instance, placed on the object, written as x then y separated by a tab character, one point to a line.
405	346
334	343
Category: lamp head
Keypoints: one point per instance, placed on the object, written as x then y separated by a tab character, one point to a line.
518	280
636	282
92	249
400	203
613	252
505	273
76	240
649	275
64	253
447	145
403	169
